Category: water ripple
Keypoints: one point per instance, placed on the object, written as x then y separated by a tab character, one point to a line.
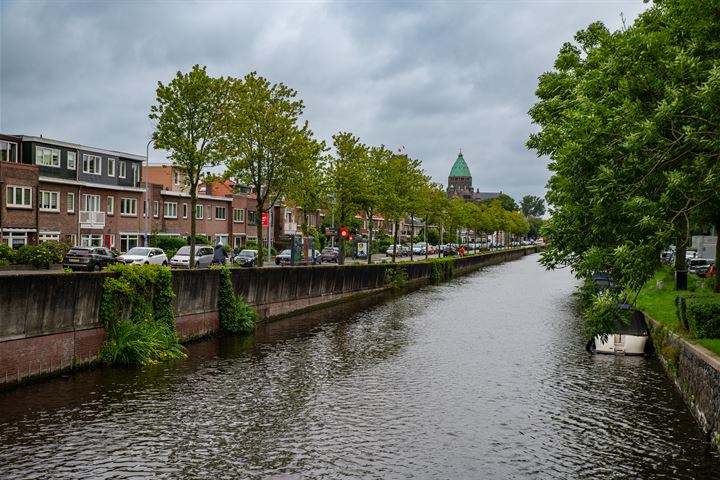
483	377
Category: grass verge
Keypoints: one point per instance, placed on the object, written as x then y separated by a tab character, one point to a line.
657	299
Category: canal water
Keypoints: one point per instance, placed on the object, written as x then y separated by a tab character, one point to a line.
482	377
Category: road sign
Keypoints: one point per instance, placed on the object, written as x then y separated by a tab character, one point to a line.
331	231
264	219
344	232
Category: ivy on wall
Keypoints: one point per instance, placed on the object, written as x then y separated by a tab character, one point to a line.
235	315
136	310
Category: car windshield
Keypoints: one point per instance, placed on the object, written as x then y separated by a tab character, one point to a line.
183	250
328	250
247	253
285	252
78	251
140	251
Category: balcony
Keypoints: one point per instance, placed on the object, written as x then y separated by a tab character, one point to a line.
90	219
290	228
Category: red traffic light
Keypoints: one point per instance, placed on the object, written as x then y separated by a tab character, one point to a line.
344	232
350	237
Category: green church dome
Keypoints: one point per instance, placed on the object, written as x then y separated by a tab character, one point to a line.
460	168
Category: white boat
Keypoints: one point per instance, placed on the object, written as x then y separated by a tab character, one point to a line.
627	339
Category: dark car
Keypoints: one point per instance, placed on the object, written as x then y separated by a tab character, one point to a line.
329	254
88	258
283	257
246	258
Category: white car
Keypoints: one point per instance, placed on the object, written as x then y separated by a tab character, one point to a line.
144	256
394	250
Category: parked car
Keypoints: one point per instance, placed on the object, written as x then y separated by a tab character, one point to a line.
144	256
419	248
203	257
283	257
329	254
88	258
399	250
246	258
699	266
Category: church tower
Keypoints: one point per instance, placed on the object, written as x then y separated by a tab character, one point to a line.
460	180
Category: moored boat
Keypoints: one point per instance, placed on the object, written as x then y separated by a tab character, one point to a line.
629	338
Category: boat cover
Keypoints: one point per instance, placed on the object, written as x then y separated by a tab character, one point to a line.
637	324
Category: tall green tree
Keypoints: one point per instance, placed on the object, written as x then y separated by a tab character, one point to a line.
626	118
189	112
400	177
532	206
347	180
266	140
372	188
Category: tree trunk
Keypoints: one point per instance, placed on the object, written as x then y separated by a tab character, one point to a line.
341	254
425	238
680	262
193	208
370	230
412	231
716	287
395	240
258	222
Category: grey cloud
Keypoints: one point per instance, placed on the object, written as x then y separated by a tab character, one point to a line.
433	76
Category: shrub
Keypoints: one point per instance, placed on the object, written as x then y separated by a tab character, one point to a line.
441	269
57	250
235	315
167	243
395	276
136	309
35	255
7	254
703	316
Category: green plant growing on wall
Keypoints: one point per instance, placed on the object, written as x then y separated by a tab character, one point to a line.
235	315
136	310
441	270
395	276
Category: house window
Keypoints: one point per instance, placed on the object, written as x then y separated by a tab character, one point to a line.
71	239
176	178
72	160
19	197
8	152
49	237
91	203
121	171
48	157
92	164
91	240
71	203
170	210
198	212
111	167
220	213
185	210
238	215
50	201
128	206
209	212
251	217
135	173
156	209
15	239
128	241
110	205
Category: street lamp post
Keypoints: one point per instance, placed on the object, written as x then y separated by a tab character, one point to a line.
147	189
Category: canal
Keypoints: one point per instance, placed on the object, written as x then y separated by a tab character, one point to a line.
482	377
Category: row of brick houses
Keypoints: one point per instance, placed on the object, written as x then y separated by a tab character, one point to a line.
56	190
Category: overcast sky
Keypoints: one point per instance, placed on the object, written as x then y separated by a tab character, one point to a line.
434	76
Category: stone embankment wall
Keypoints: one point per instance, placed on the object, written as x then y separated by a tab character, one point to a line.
49	322
696	373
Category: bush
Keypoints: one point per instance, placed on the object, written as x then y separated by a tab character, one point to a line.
167	243
235	315
57	250
7	254
395	276
36	255
136	309
703	316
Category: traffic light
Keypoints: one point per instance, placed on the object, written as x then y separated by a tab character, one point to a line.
344	232
350	237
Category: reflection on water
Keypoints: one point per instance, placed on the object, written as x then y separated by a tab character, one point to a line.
483	377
